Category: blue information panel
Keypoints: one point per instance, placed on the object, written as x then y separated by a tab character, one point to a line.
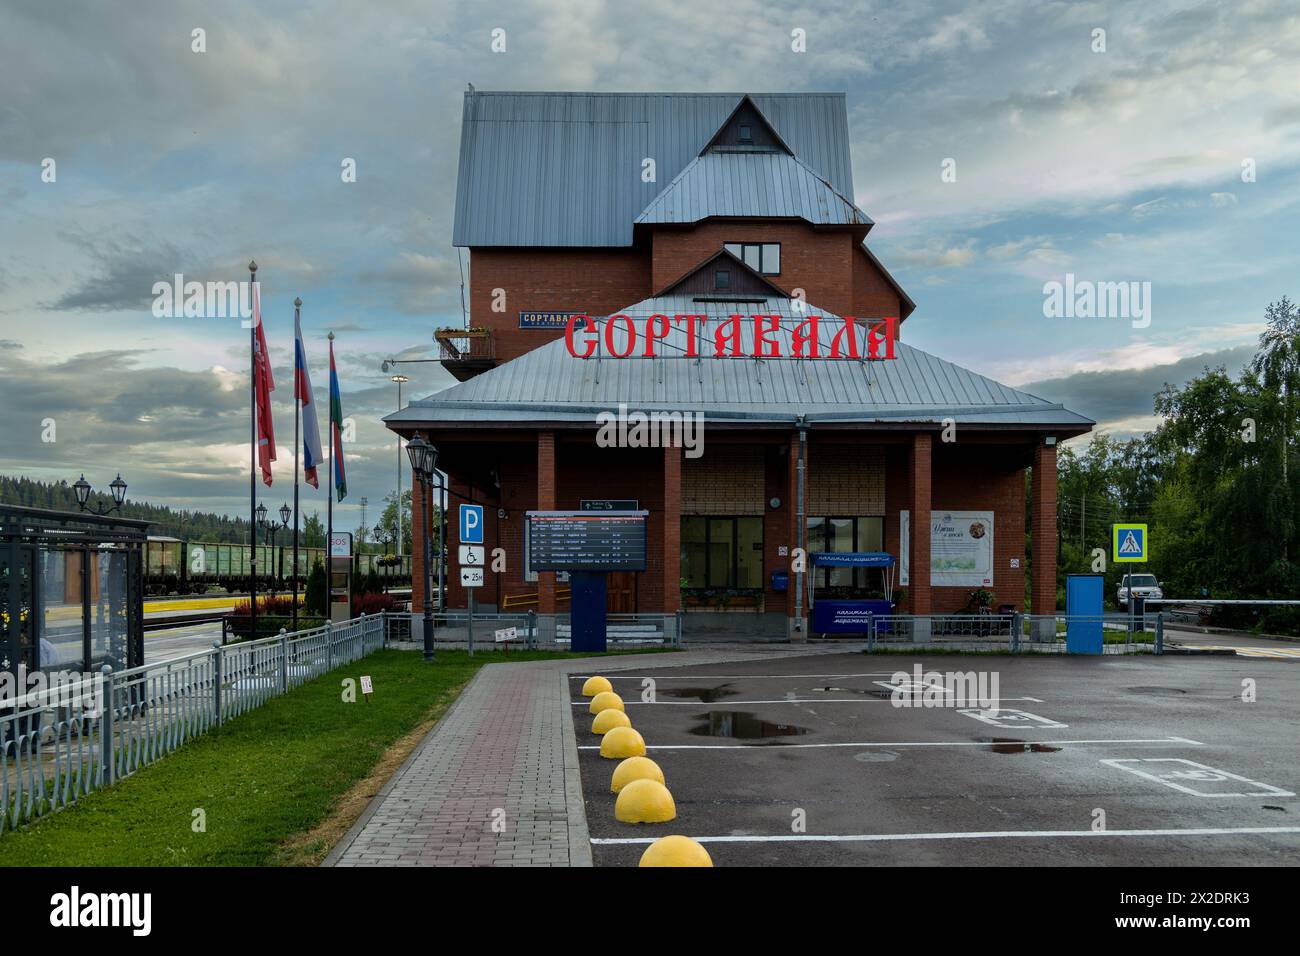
587	540
545	320
848	617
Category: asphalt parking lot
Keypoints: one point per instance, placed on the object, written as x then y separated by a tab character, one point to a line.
1098	761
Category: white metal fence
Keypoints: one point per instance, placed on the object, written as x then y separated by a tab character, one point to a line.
57	746
1015	632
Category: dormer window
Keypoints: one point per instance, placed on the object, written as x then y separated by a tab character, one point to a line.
746	134
722	279
763	257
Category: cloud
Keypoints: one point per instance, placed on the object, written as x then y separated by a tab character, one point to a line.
1126	395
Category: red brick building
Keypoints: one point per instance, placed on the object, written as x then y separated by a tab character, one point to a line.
715	205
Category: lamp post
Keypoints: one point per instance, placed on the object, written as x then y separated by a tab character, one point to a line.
382	537
400	379
424	463
82	488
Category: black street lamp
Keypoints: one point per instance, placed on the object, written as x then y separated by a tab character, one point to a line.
272	529
424	464
82	488
382	537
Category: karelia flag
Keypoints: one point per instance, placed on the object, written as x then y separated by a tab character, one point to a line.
336	432
311	454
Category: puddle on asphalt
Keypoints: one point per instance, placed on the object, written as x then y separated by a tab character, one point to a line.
742	725
1006	745
1157	691
876	756
706	694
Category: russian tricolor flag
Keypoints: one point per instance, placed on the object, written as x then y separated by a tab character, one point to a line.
311	453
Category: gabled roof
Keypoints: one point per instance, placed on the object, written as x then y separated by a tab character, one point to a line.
746	112
751	283
549	384
907	306
565	169
768	185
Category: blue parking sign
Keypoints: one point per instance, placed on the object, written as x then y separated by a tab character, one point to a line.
471	524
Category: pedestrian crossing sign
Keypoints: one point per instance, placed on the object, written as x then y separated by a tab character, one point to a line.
1130	542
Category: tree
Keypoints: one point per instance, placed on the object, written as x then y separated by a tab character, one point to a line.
314	596
313	531
388	520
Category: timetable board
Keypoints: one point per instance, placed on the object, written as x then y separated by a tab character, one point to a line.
587	540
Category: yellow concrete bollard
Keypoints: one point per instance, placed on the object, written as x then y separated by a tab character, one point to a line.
644	801
604	701
635	768
622	742
607	720
675	851
595	685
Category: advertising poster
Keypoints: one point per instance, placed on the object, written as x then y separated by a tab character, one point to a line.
961	548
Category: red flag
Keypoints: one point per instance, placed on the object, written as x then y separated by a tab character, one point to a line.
264	385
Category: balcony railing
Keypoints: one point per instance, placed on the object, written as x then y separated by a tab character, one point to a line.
465	346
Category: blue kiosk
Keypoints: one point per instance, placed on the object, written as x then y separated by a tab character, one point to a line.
852	616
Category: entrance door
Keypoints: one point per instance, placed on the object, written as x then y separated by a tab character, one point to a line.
620	592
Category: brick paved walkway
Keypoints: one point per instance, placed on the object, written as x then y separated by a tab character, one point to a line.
496	783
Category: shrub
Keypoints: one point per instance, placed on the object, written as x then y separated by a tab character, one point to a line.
315	594
372	603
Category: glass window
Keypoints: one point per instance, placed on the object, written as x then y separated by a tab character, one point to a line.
762	257
694	560
108	609
771	258
62	647
749	552
863	533
841	538
722	279
721	551
871	534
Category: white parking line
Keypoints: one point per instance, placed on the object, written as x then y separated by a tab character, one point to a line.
960	835
728	676
1011	718
916	743
1176	768
789	700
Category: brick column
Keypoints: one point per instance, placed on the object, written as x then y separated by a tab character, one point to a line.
918	588
796	625
546	502
672	528
1043	520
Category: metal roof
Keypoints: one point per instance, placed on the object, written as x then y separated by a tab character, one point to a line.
565	169
549	384
769	184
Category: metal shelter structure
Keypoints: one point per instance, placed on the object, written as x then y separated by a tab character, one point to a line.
71	590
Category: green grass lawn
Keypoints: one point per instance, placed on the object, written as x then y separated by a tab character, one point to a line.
264	779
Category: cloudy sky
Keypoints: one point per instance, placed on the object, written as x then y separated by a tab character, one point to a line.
1122	164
